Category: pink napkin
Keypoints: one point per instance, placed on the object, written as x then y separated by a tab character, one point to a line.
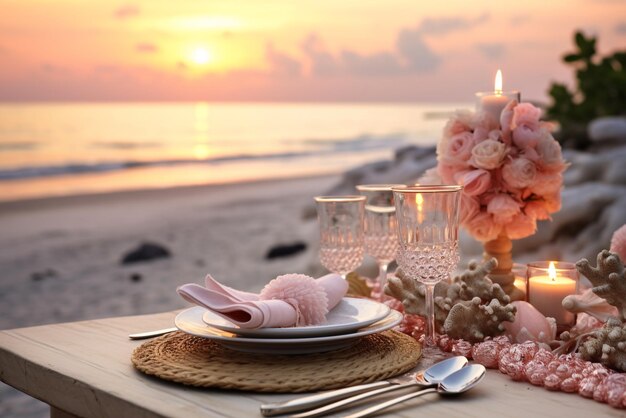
289	300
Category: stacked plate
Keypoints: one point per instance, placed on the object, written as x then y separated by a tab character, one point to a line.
351	319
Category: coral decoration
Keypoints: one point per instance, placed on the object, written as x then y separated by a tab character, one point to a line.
607	345
472	307
303	293
618	242
608	279
473	321
474	282
511	171
411	294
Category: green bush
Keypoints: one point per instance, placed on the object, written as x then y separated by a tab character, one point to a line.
600	90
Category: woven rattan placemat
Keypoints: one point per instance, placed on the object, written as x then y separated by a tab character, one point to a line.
196	361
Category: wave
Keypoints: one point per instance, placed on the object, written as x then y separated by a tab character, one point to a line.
126	145
361	143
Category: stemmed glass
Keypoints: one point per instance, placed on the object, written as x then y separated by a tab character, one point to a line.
381	237
341	232
428	235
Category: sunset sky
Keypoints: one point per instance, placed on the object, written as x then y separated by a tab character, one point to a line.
291	50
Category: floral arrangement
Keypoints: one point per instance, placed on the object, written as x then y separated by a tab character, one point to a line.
511	170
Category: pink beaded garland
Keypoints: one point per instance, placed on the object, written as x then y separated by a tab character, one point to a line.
531	362
527	361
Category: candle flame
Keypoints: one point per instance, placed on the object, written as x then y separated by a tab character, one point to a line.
419	200
498	83
552	271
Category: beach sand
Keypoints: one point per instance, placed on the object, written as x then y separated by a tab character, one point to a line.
60	258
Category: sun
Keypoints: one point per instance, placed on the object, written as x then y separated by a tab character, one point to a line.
201	56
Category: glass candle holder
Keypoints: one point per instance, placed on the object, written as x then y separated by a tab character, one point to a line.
493	102
548	283
520	273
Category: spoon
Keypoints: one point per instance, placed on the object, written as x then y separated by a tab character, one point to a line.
458	382
429	377
150	334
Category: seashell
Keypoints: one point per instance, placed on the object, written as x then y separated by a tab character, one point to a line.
590	303
530	325
618	242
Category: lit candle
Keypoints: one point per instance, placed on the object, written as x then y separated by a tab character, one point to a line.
492	103
546	291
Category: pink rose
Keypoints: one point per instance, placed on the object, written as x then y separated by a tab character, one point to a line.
480	134
521	226
506	119
461	122
459	149
537	209
531	154
546	184
526	137
526	114
503	208
469	208
485	122
488	154
549	152
553	202
475	182
483	228
525	125
519	173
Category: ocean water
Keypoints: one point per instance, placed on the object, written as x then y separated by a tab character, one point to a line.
64	149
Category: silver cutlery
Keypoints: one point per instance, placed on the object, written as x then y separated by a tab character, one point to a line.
151	334
431	376
458	382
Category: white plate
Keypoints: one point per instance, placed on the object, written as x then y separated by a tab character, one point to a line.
190	321
349	315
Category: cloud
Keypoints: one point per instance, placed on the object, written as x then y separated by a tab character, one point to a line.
378	64
418	55
621	28
126	11
281	63
491	50
322	62
445	25
146	48
410	55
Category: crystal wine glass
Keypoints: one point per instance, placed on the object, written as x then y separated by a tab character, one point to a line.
381	236
341	221
428	236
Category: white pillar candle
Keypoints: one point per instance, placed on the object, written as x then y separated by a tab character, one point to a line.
492	103
547	291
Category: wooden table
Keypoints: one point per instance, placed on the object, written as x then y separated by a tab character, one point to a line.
83	369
